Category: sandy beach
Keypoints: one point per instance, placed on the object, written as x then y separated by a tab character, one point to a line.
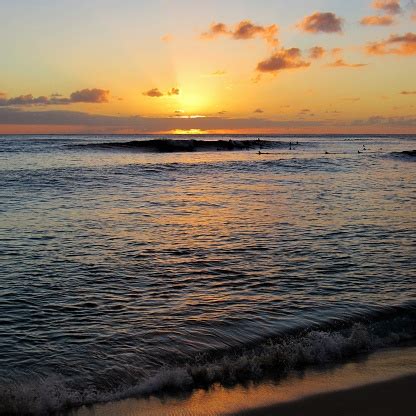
394	397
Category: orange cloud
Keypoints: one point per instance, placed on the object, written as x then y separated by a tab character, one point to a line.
316	52
340	63
388	6
395	45
321	22
244	30
95	95
283	59
377	21
167	38
156	93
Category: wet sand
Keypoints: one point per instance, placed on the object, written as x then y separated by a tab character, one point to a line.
394	397
379	384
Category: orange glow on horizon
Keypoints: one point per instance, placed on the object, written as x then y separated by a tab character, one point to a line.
80	129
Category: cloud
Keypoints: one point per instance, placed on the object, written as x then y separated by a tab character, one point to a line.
387	121
14	119
27	99
306	112
90	122
258	111
408	93
219	73
174	91
340	63
167	38
388	6
395	45
94	95
156	93
244	30
316	52
377	21
336	52
321	22
281	60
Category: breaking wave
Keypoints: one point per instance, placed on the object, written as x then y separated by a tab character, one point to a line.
406	154
271	358
188	145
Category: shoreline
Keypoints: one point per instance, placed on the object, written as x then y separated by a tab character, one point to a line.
379	399
317	390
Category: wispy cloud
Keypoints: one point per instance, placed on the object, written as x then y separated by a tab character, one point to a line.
167	38
377	21
408	93
394	45
219	73
317	52
321	23
340	63
156	93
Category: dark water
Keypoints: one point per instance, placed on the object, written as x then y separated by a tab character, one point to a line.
127	272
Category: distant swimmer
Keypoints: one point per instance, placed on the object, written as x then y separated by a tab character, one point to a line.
259	152
326	153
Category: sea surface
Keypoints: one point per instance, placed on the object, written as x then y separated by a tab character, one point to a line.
131	270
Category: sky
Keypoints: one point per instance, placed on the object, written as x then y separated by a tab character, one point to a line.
194	66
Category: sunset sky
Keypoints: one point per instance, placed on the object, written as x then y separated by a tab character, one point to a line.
218	66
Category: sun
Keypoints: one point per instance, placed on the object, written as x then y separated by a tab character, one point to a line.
189	131
195	102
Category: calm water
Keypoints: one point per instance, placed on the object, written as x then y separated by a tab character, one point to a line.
127	272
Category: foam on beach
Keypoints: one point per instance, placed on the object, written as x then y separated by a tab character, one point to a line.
274	358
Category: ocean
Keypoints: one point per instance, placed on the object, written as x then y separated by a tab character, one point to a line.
133	268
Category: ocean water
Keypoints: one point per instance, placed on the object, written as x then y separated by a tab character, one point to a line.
127	270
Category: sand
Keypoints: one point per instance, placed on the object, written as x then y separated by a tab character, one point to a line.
388	377
394	397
